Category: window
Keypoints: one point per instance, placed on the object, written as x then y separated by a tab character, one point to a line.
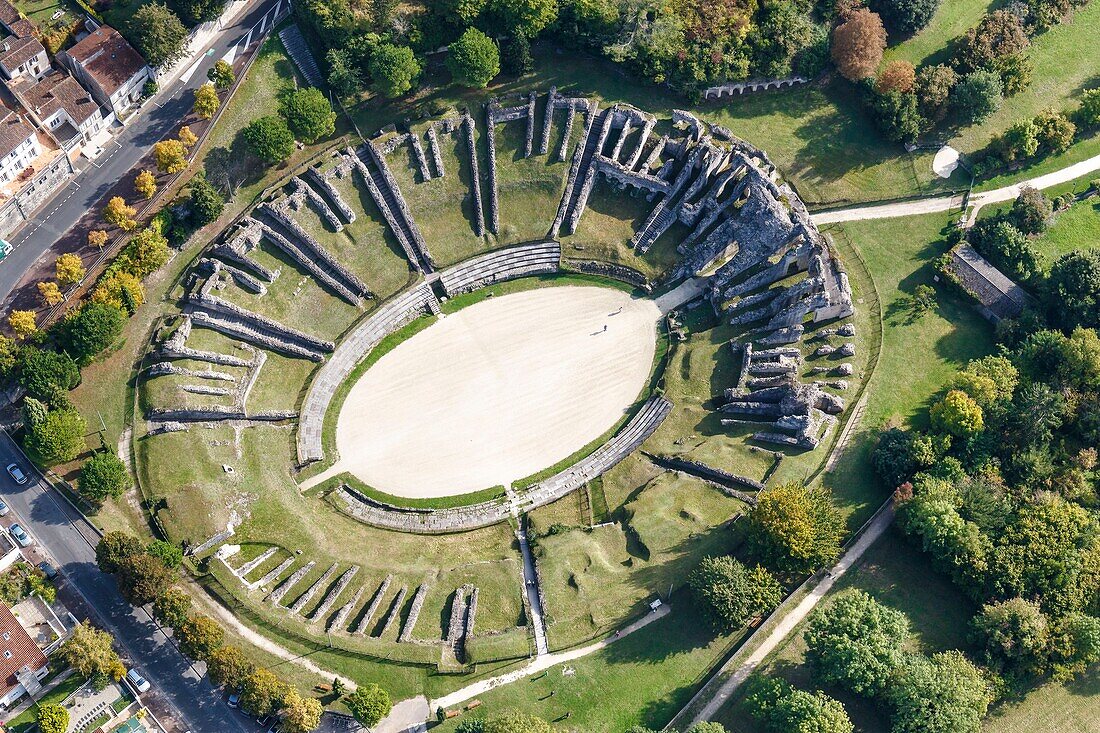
7	654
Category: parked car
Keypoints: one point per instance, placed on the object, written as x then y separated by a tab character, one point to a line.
140	683
21	535
235	700
48	570
17	473
5	510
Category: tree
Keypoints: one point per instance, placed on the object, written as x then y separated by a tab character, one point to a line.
369	704
394	69
978	95
515	55
1055	131
118	213
1014	637
708	726
69	268
1020	141
157	33
170	156
782	30
56	439
221	74
898	116
934	85
858	44
194	12
22	323
51	718
228	667
309	114
344	76
145	184
731	594
147	251
1076	645
957	414
186	137
998	34
262	693
97	238
199	636
1016	72
795	528
168	553
1031	211
1073	289
785	709
42	373
1008	248
473	59
91	330
923	299
121	290
206	101
300	715
856	642
906	16
207	203
942	694
103	476
173	608
114	548
9	353
50	293
1089	112
270	139
514	721
526	17
90	651
898	76
142	578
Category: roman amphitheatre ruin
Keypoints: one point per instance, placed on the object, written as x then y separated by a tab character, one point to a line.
585	325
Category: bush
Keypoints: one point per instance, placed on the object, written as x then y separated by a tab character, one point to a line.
473	59
103	476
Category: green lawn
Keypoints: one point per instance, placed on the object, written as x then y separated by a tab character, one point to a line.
25	721
930	45
1077	228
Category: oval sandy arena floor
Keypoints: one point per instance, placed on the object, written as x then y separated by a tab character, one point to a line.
497	391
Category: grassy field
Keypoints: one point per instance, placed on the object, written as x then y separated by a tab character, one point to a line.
1077	228
931	44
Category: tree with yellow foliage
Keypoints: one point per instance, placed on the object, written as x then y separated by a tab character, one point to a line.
22	323
122	290
70	269
118	213
51	294
170	156
187	137
206	101
97	238
145	184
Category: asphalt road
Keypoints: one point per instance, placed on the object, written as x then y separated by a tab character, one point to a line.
68	538
157	120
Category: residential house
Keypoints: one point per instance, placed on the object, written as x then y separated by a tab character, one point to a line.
23	57
19	145
12	21
61	106
22	664
110	68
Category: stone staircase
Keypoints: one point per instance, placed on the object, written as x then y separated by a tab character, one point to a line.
299	51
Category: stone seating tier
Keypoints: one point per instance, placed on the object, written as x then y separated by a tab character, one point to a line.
501	265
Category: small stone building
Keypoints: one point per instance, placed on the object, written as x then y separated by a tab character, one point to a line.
997	295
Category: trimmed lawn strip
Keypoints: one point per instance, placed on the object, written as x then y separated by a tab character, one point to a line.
435	502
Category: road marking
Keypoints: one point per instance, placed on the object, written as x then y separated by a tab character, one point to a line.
186	77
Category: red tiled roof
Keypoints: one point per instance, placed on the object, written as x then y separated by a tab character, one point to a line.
13	131
17	51
8	13
17	650
107	57
57	91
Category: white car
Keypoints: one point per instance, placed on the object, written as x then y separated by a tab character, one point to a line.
5	510
17	473
140	683
21	535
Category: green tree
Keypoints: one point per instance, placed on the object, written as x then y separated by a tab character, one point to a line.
142	578
731	594
856	643
1020	141
369	704
942	694
344	76
169	554
514	721
103	476
206	102
194	12
1014	637
157	33
309	114
905	16
794	528
262	693
199	636
207	203
1031	210
51	718
114	548
90	330
957	414
978	95
934	85
1055	131
90	651
393	69
300	715
58	437
1076	645
1090	107
228	667
1008	248
147	251
221	74
473	59
898	116
42	373
172	608
526	17
270	139
1073	290
785	709
515	55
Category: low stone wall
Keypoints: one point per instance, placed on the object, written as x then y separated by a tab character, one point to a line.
372	609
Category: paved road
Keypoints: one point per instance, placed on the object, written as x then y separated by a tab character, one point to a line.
951	203
157	120
69	539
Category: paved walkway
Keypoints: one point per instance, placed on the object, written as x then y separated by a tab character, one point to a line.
951	203
726	681
531	587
